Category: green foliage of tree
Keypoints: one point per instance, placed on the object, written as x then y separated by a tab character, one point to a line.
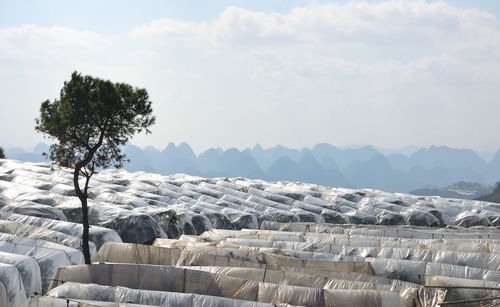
2	153
90	120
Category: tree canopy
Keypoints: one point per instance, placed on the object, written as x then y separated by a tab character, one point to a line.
2	154
91	120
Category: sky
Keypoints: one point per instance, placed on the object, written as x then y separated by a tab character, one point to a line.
296	73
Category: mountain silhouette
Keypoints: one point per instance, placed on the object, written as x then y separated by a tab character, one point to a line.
266	157
324	164
138	160
343	157
233	163
177	159
447	157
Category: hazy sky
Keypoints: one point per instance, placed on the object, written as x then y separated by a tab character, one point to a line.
296	73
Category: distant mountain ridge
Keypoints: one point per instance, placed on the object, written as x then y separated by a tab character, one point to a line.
325	164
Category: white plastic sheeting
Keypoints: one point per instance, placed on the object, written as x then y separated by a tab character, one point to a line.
322	274
13	284
73	256
124	201
412	232
145	254
142	206
332	243
131	226
28	269
257	273
399	268
411	294
326	242
48	256
455	259
48	301
168	279
34	232
485	261
4	295
400	263
98	235
483	235
457	288
146	297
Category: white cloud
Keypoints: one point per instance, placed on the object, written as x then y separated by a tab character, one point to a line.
396	40
32	42
332	68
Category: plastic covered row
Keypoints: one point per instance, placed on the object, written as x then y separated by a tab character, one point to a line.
163	278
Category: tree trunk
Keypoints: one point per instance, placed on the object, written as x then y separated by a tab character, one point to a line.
86	227
83	196
85	213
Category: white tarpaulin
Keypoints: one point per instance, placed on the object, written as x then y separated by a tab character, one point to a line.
137	253
34	232
28	269
98	235
11	280
163	278
48	259
78	292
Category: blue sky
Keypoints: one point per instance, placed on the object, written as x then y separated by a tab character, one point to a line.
119	15
296	73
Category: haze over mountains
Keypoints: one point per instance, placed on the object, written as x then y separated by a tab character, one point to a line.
362	167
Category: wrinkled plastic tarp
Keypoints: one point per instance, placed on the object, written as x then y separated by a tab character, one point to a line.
11	279
194	281
137	253
34	232
144	297
28	269
98	235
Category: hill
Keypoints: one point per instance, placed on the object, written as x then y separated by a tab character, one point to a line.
493	196
461	189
